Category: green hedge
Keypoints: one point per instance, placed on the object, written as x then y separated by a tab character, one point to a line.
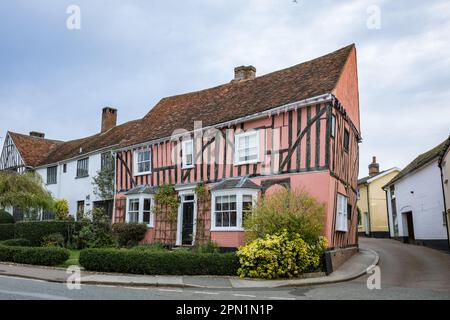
5	217
35	231
16	243
34	256
129	234
159	263
6	231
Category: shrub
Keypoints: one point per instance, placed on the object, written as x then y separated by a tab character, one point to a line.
97	233
16	243
62	209
35	231
35	256
208	247
158	263
294	211
53	240
154	247
129	234
279	256
5	217
6	231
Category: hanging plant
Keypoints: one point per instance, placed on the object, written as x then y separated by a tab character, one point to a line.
200	191
167	202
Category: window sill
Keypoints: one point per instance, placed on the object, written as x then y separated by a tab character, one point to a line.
227	229
138	174
188	167
246	162
82	177
51	184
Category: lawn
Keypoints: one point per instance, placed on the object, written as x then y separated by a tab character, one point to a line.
73	259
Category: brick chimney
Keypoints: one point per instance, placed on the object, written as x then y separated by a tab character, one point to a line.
109	118
244	73
37	134
374	167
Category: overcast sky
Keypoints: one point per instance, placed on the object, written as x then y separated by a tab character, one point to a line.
130	54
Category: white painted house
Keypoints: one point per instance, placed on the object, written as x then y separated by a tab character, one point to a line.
415	202
67	168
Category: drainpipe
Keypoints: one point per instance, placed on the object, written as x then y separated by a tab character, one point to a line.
387	212
445	205
113	218
368	212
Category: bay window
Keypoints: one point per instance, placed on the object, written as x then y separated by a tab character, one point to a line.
139	210
230	207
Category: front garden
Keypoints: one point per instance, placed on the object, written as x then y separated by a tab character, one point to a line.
283	240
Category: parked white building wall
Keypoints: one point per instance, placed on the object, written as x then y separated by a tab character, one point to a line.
420	192
71	188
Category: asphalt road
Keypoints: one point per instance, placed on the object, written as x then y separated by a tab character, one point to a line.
407	272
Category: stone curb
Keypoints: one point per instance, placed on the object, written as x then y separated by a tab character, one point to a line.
282	283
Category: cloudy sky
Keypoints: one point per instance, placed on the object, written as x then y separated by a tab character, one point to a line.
130	54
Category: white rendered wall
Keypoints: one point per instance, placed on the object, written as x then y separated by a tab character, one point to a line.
74	189
421	193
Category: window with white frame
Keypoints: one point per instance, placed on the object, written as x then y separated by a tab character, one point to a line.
246	148
142	162
139	210
230	207
52	175
341	213
188	154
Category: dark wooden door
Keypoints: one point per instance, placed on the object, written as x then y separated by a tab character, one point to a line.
188	223
410	223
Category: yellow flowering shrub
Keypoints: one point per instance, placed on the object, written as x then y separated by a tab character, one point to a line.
281	255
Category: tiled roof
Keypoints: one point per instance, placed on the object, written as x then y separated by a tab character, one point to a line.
235	183
420	161
365	179
211	106
33	149
444	150
71	149
242	98
143	189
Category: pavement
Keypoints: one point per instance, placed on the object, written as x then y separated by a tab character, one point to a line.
353	268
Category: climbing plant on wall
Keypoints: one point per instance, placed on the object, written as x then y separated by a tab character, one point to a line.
166	211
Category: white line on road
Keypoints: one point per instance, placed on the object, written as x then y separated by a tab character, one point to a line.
136	288
280	298
20	278
244	295
203	292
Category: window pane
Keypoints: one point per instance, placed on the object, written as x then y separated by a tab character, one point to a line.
226	219
147	217
233	219
147	204
218	219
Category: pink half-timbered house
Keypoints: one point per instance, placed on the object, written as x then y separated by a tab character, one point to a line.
297	127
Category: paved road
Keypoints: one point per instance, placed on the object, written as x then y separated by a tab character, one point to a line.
407	272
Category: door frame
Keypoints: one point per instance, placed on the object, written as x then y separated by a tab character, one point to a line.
182	194
409	219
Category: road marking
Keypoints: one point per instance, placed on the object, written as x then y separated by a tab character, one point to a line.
280	298
203	292
136	288
244	295
35	295
105	286
170	290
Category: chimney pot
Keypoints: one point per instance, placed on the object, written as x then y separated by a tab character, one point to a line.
374	167
244	73
109	118
37	134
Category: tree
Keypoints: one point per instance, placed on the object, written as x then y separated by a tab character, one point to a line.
24	191
62	209
293	211
104	180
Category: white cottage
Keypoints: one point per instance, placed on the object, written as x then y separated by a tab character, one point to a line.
415	202
67	168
